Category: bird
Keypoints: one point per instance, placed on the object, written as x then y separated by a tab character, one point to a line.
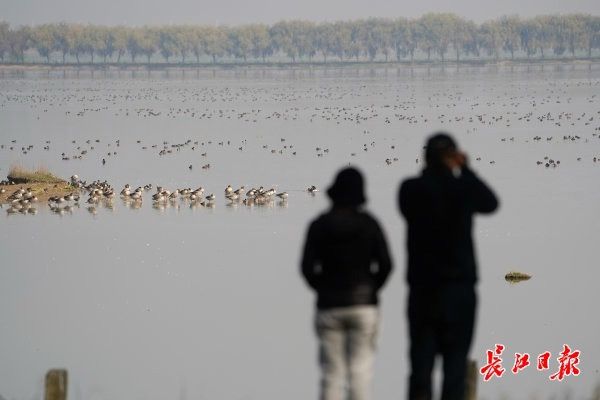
126	191
232	197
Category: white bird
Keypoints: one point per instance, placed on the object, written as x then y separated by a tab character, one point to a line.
232	197
125	192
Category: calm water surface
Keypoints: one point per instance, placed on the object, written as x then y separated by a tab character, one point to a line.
197	303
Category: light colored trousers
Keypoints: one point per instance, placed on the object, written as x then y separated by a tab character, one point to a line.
347	339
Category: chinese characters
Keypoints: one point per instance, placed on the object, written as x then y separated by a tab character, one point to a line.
567	363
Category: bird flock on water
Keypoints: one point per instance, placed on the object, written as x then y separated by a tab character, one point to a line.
102	194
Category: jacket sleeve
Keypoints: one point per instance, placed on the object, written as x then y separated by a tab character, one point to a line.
482	198
310	257
406	201
382	256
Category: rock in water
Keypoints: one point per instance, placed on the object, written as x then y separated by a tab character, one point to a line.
515	277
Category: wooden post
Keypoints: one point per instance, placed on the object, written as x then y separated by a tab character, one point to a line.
56	385
471	386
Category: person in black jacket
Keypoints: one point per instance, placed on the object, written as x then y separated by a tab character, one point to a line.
438	207
346	261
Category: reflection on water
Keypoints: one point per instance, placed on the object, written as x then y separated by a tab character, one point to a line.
136	296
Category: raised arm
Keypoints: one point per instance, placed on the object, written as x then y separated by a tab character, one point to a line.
482	198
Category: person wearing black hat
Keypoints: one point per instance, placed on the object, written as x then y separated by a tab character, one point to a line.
438	207
346	262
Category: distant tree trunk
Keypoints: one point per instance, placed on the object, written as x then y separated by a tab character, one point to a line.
429	54
48	58
214	57
77	57
512	53
325	57
457	55
64	55
119	56
245	59
197	58
542	52
264	58
92	53
183	58
148	58
133	58
589	51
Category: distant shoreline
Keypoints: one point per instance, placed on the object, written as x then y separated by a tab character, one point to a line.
8	67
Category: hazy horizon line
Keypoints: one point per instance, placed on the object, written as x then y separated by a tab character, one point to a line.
316	21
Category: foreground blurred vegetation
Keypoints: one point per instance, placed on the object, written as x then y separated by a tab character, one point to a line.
432	37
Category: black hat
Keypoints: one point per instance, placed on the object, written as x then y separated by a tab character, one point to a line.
348	188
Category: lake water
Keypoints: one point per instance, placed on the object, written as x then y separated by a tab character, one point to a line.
207	303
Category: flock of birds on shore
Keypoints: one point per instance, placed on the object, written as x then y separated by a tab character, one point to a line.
102	194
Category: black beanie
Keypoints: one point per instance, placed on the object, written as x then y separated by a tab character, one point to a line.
348	188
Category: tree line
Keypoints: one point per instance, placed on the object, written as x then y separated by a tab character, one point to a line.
434	36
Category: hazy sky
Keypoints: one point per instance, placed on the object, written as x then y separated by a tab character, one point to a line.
139	12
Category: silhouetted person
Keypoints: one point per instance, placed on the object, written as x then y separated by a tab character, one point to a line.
438	207
346	261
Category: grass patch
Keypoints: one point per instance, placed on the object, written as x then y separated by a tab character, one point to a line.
19	174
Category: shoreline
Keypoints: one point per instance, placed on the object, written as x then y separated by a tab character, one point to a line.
35	67
43	191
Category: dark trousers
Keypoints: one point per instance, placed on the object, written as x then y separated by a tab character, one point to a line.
441	322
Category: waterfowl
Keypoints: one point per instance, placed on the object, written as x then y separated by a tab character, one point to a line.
137	195
232	197
126	191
